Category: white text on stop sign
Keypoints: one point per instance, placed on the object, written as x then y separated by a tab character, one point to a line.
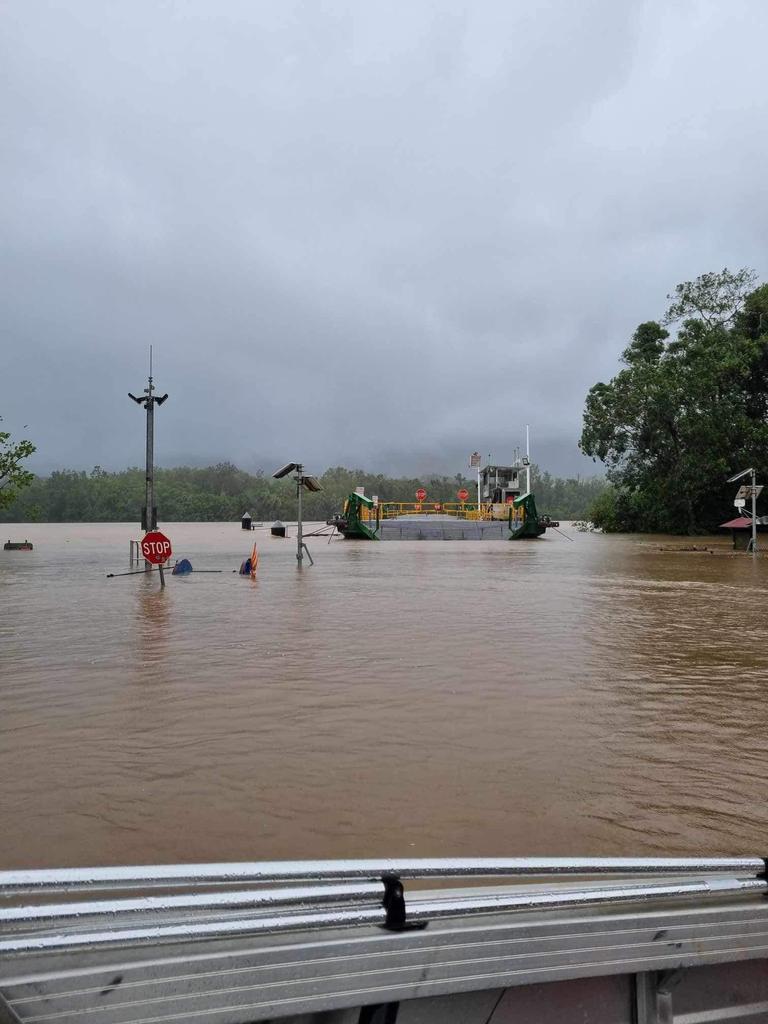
152	547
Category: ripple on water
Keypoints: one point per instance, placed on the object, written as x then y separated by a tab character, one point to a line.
592	697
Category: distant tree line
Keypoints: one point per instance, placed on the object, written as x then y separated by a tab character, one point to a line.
686	411
224	492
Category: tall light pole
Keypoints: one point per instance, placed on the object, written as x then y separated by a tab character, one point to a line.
149	401
302	482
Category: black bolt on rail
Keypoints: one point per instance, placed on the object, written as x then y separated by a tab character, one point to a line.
394	907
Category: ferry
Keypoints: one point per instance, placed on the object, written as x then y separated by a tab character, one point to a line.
503	511
613	940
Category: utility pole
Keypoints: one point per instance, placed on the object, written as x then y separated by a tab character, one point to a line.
754	513
303	482
149	513
299	525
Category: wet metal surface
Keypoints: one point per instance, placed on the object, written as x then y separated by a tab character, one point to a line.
603	697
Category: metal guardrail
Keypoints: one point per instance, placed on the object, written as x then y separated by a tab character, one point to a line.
221	900
326	870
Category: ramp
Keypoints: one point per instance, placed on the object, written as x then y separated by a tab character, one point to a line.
431	527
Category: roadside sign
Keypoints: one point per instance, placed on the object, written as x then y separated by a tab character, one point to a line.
437	506
421	494
156	548
745	491
463	494
475	459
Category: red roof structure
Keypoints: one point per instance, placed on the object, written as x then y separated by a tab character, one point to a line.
740	523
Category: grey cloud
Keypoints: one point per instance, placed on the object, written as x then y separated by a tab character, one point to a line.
381	234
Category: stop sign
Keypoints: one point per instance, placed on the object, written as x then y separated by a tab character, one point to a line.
421	494
463	494
156	547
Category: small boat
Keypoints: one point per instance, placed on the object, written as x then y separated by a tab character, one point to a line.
18	545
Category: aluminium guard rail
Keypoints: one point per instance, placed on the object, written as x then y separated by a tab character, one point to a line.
227	900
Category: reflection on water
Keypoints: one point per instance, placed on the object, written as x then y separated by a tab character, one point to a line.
602	696
153	644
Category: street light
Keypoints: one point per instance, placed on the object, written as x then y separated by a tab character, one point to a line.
149	400
310	483
753	492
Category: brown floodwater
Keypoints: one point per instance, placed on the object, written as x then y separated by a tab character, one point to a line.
605	695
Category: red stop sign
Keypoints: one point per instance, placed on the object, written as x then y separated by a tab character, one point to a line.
156	547
421	494
463	494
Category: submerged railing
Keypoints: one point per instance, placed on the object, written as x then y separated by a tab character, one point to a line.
181	903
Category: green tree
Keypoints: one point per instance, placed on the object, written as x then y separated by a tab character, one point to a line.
13	476
224	493
684	413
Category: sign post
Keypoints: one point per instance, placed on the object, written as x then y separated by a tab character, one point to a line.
462	495
156	549
421	494
474	462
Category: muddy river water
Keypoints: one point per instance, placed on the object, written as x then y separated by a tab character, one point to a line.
599	695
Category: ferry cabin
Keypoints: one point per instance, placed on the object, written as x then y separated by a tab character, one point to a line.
499	486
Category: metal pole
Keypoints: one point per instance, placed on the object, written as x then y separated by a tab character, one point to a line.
149	498
528	456
754	513
150	491
299	535
149	401
478	492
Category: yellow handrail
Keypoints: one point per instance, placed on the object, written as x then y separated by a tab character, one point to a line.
459	510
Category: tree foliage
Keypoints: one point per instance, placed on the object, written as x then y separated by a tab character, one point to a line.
13	476
714	298
224	492
686	411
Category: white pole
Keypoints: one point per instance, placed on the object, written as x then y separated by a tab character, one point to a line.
754	513
528	456
478	490
299	524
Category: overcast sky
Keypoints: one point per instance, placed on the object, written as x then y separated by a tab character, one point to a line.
358	233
